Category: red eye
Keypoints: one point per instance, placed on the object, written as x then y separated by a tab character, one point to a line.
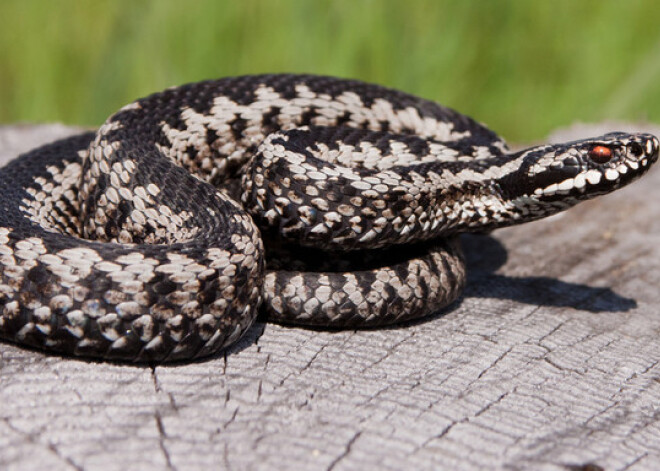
600	154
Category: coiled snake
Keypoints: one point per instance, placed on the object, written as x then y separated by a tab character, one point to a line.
144	241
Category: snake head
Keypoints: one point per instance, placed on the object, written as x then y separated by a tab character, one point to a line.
567	173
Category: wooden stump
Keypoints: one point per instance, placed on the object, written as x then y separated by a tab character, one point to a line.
550	361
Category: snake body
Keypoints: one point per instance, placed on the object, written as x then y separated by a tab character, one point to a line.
328	202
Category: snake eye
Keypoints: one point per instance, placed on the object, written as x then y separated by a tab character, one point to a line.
600	154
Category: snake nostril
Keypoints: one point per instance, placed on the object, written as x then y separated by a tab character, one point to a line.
636	149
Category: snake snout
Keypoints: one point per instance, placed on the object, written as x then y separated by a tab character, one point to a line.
648	144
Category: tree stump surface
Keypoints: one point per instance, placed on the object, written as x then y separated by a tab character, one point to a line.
550	361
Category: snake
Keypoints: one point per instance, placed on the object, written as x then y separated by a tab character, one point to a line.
314	200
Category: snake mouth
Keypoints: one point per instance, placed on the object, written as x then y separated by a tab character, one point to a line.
587	183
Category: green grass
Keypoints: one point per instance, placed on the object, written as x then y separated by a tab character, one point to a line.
524	67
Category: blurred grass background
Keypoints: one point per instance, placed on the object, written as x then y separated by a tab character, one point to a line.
523	67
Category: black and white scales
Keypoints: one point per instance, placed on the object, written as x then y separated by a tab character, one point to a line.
319	200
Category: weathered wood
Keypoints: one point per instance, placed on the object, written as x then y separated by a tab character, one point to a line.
549	362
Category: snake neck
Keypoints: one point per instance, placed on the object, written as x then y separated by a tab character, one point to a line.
482	195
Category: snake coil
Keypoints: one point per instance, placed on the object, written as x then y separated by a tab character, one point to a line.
330	202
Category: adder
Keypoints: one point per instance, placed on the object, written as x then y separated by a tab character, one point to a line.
325	201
